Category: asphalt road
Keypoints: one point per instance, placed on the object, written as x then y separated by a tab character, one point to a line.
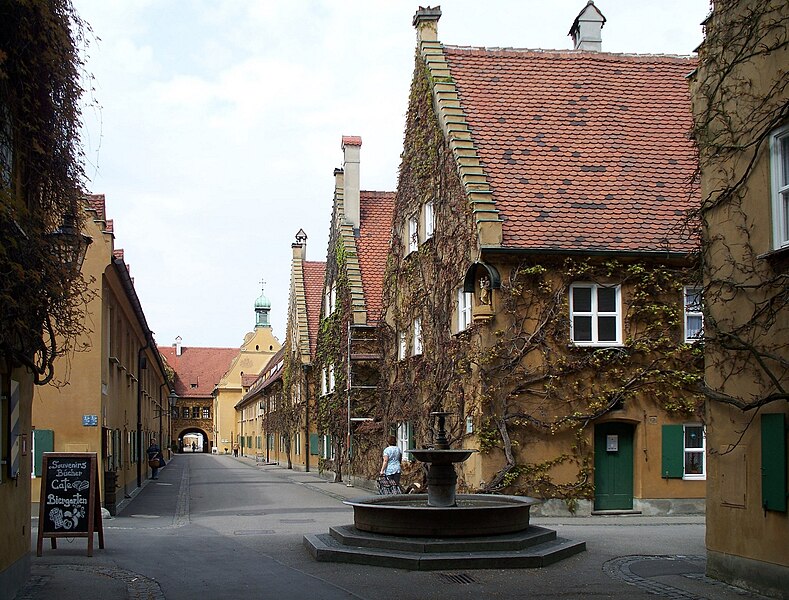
218	526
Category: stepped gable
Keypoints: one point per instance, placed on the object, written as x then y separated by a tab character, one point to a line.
581	150
197	370
372	246
314	275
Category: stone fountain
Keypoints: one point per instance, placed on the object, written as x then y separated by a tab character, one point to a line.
441	529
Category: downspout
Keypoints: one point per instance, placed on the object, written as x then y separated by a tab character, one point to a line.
139	413
161	385
306	419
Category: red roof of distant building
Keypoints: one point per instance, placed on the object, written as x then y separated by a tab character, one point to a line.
351	140
314	273
372	245
582	150
197	370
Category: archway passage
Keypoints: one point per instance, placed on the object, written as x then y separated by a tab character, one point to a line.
193	440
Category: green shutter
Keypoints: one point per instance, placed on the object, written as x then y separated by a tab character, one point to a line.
43	441
314	444
774	462
673	465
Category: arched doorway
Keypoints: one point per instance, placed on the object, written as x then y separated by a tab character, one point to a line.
193	439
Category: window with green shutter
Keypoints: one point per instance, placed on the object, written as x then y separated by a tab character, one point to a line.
43	441
673	456
314	444
774	489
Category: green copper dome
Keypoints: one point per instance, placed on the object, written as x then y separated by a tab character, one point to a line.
262	308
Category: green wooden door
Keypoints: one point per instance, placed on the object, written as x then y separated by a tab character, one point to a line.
613	466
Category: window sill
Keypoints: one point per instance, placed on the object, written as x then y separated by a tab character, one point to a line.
694	478
775	253
597	345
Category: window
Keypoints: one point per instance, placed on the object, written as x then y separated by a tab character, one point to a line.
464	309
175	412
684	452
331	378
429	225
185	412
195	412
330	300
779	153
405	439
328	448
206	412
413	234
417	337
694	451
694	320
323	382
297	445
402	345
595	314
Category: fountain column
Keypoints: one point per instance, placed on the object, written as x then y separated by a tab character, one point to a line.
442	478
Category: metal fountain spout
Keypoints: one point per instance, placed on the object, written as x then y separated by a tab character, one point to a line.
441	478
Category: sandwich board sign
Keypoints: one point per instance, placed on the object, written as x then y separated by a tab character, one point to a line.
69	505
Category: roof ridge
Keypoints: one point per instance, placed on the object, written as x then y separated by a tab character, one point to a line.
569	52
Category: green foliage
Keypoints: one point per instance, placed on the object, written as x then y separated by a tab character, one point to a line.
42	302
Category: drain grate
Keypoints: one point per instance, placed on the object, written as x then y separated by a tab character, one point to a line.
463	578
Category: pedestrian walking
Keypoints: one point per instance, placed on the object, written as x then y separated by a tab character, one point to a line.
155	459
390	466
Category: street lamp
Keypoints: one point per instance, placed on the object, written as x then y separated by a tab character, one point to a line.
69	245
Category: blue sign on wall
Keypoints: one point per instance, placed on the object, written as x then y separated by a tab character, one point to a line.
90	420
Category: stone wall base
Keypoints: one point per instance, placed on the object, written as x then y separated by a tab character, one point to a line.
650	507
765	578
15	577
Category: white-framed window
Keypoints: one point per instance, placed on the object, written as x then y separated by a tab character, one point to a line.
429	222
405	438
402	345
282	443
694	319
779	158
327	447
331	378
413	234
417	349
595	314
323	381
464	309
695	452
330	299
297	445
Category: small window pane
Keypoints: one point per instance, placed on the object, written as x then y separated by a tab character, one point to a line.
694	463
785	200
693	299
582	329
606	329
606	299
694	326
784	160
582	300
694	437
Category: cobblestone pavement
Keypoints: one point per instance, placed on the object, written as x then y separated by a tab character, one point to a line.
89	580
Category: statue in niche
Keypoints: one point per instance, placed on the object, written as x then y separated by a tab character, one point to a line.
484	290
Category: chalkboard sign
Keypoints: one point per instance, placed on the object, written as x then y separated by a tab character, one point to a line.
69	505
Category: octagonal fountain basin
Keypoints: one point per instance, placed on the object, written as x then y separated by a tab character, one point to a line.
410	515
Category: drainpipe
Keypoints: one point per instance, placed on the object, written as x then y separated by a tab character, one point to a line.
304	369
139	413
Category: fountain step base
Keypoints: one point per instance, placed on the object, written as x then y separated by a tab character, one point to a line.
532	548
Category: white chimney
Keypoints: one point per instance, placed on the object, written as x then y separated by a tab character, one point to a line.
587	29
178	341
300	247
351	147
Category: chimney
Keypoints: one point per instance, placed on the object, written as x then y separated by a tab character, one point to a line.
178	341
587	28
300	247
351	146
426	23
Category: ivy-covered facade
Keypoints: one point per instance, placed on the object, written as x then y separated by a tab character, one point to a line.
347	354
741	127
539	286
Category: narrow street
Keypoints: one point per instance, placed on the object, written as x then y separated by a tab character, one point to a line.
226	527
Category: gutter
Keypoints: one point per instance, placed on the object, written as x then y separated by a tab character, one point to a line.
665	254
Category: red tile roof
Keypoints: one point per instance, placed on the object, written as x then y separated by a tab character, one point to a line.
372	246
351	140
197	370
582	150
314	274
97	202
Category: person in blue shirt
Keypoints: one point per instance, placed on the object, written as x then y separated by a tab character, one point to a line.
155	457
391	460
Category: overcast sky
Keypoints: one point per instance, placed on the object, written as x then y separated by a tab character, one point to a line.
215	127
